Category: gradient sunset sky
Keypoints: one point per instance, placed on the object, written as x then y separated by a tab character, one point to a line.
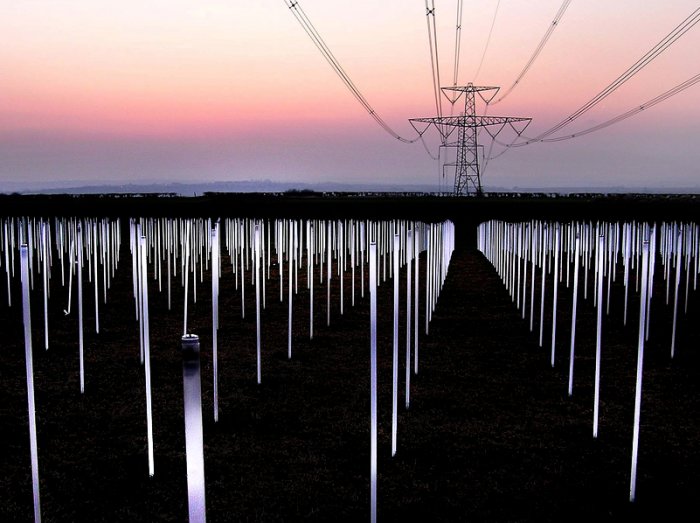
193	91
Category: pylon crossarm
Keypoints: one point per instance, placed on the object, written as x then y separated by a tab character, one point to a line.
493	133
470	121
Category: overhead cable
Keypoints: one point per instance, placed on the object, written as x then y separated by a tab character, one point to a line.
458	41
632	112
552	26
620	117
320	44
434	61
488	41
666	42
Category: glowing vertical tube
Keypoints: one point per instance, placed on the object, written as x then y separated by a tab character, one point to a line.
637	249
373	379
409	254
194	440
321	247
557	242
640	365
147	352
599	294
309	262
696	255
60	248
428	262
508	260
279	238
611	271
395	361
71	270
328	276
518	257
186	274
24	258
650	288
383	246
242	236
679	248
544	269
352	260
525	253
139	253
134	272
104	261
246	245
97	290
257	295
308	254
362	259
261	252
435	270
341	265
573	315
215	314
45	270
416	251
568	254
195	253
667	257
533	253
169	247
297	257
7	266
267	229
586	260
291	254
80	308
159	243
626	255
688	246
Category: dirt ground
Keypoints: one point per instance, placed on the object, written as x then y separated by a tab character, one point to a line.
491	434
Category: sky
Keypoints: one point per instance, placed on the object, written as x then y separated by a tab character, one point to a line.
192	91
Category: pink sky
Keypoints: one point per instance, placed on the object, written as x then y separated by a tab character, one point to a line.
123	91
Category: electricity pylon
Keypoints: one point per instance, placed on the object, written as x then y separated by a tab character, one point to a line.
467	168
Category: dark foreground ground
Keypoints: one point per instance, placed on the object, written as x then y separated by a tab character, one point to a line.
491	434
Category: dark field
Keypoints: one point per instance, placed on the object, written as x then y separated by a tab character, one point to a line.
491	434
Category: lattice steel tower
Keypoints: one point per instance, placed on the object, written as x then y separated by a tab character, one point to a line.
466	165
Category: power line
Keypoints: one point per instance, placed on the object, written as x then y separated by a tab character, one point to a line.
320	44
488	41
538	49
458	40
488	158
607	123
666	42
632	112
437	55
434	61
